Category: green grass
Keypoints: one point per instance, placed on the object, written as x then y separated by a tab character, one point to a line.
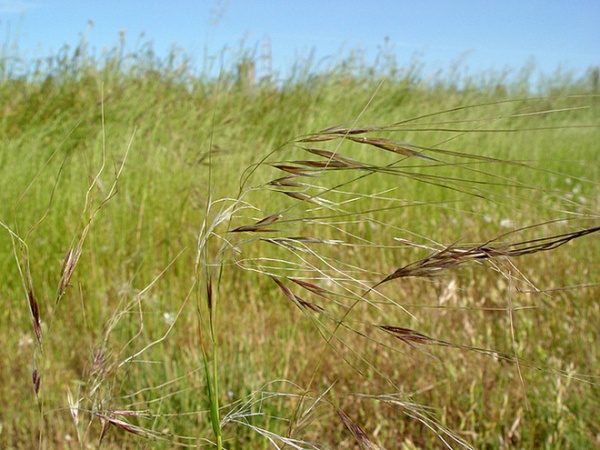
140	184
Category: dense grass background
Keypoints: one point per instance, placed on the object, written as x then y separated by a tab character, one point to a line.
125	157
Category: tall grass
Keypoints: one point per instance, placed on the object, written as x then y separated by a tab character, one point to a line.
346	258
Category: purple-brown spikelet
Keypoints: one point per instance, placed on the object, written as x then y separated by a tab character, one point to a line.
356	431
453	256
35	315
298	301
260	226
36	379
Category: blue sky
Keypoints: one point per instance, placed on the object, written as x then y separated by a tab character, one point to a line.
473	36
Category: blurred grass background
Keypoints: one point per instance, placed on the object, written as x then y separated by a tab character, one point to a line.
191	140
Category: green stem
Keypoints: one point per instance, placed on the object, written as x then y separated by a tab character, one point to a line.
214	401
214	379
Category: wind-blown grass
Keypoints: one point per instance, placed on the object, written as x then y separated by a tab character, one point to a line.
340	260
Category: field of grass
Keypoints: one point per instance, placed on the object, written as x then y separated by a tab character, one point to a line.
346	259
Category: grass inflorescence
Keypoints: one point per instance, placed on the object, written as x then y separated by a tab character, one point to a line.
339	259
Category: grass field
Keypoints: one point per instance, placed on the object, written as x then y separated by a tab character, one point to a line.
346	259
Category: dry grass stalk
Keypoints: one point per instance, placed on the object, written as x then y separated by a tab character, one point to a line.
68	268
412	337
20	246
422	415
108	419
74	252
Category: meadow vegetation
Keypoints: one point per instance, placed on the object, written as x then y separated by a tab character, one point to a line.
344	258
